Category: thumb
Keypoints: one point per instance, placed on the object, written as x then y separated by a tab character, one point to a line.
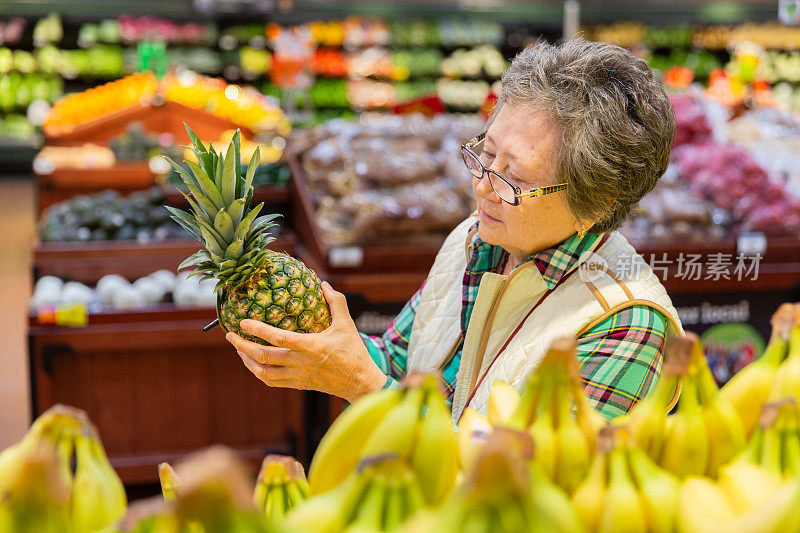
336	301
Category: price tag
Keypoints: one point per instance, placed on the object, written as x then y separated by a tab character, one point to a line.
346	256
752	243
74	316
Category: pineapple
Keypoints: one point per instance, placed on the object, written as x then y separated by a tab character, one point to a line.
253	282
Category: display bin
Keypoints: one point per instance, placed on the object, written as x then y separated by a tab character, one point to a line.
390	257
156	115
159	388
87	262
63	184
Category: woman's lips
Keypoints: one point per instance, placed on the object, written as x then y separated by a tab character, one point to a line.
485	217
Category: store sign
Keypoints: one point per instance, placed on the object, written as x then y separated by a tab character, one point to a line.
789	11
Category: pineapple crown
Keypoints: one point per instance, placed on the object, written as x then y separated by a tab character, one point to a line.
220	218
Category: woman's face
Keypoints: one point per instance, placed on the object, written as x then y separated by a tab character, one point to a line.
520	146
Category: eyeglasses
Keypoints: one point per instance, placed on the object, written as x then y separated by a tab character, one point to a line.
507	191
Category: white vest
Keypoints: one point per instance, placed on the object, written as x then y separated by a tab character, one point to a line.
578	303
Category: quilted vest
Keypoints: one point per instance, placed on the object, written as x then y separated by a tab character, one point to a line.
516	318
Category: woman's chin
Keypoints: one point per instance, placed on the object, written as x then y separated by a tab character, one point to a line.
488	235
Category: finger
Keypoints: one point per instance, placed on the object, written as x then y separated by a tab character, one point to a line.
276	336
267	373
265	355
336	301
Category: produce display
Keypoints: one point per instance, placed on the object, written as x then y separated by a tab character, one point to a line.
242	105
253	281
727	459
109	216
89	155
77	109
396	177
115	292
17	91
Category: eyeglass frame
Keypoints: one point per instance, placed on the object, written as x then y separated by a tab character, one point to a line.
533	193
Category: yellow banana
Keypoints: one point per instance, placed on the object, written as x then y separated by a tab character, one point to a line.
750	387
572	450
503	401
552	504
339	450
473	431
658	489
35	496
169	482
686	444
89	511
723	425
589	497
115	496
777	514
622	508
398	429
435	456
746	485
791	452
647	420
702	507
394	508
369	511
787	379
328	512
542	430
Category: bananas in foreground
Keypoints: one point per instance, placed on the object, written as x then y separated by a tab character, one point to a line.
281	485
38	473
506	492
412	422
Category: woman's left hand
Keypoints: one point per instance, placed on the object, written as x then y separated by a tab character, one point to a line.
335	361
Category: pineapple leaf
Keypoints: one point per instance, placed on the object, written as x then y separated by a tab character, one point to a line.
196	142
237	161
185	177
197	170
212	244
185	217
243	229
218	170
251	170
198	211
228	263
210	191
229	176
196	259
236	210
234	250
207	162
224	225
265	222
195	233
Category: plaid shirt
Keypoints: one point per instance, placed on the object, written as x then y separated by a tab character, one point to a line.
620	357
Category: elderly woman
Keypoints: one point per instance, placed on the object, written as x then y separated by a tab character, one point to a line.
580	134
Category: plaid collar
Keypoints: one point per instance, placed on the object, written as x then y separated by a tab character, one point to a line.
552	263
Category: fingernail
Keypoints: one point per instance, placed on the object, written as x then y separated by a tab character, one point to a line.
229	336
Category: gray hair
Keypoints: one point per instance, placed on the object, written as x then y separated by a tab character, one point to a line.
616	122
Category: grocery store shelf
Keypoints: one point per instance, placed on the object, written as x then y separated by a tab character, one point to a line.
87	262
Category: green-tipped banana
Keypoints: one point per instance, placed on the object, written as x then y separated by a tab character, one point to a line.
340	449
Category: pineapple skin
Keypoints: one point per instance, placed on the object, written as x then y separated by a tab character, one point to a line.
283	293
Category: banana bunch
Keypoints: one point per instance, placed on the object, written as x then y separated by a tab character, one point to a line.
787	379
647	420
35	496
770	506
281	485
706	431
554	410
750	388
506	492
625	490
412	422
381	494
96	498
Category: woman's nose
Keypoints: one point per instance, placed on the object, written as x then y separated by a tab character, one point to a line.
483	188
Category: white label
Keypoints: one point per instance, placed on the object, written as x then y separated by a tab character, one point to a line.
751	243
789	11
346	256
